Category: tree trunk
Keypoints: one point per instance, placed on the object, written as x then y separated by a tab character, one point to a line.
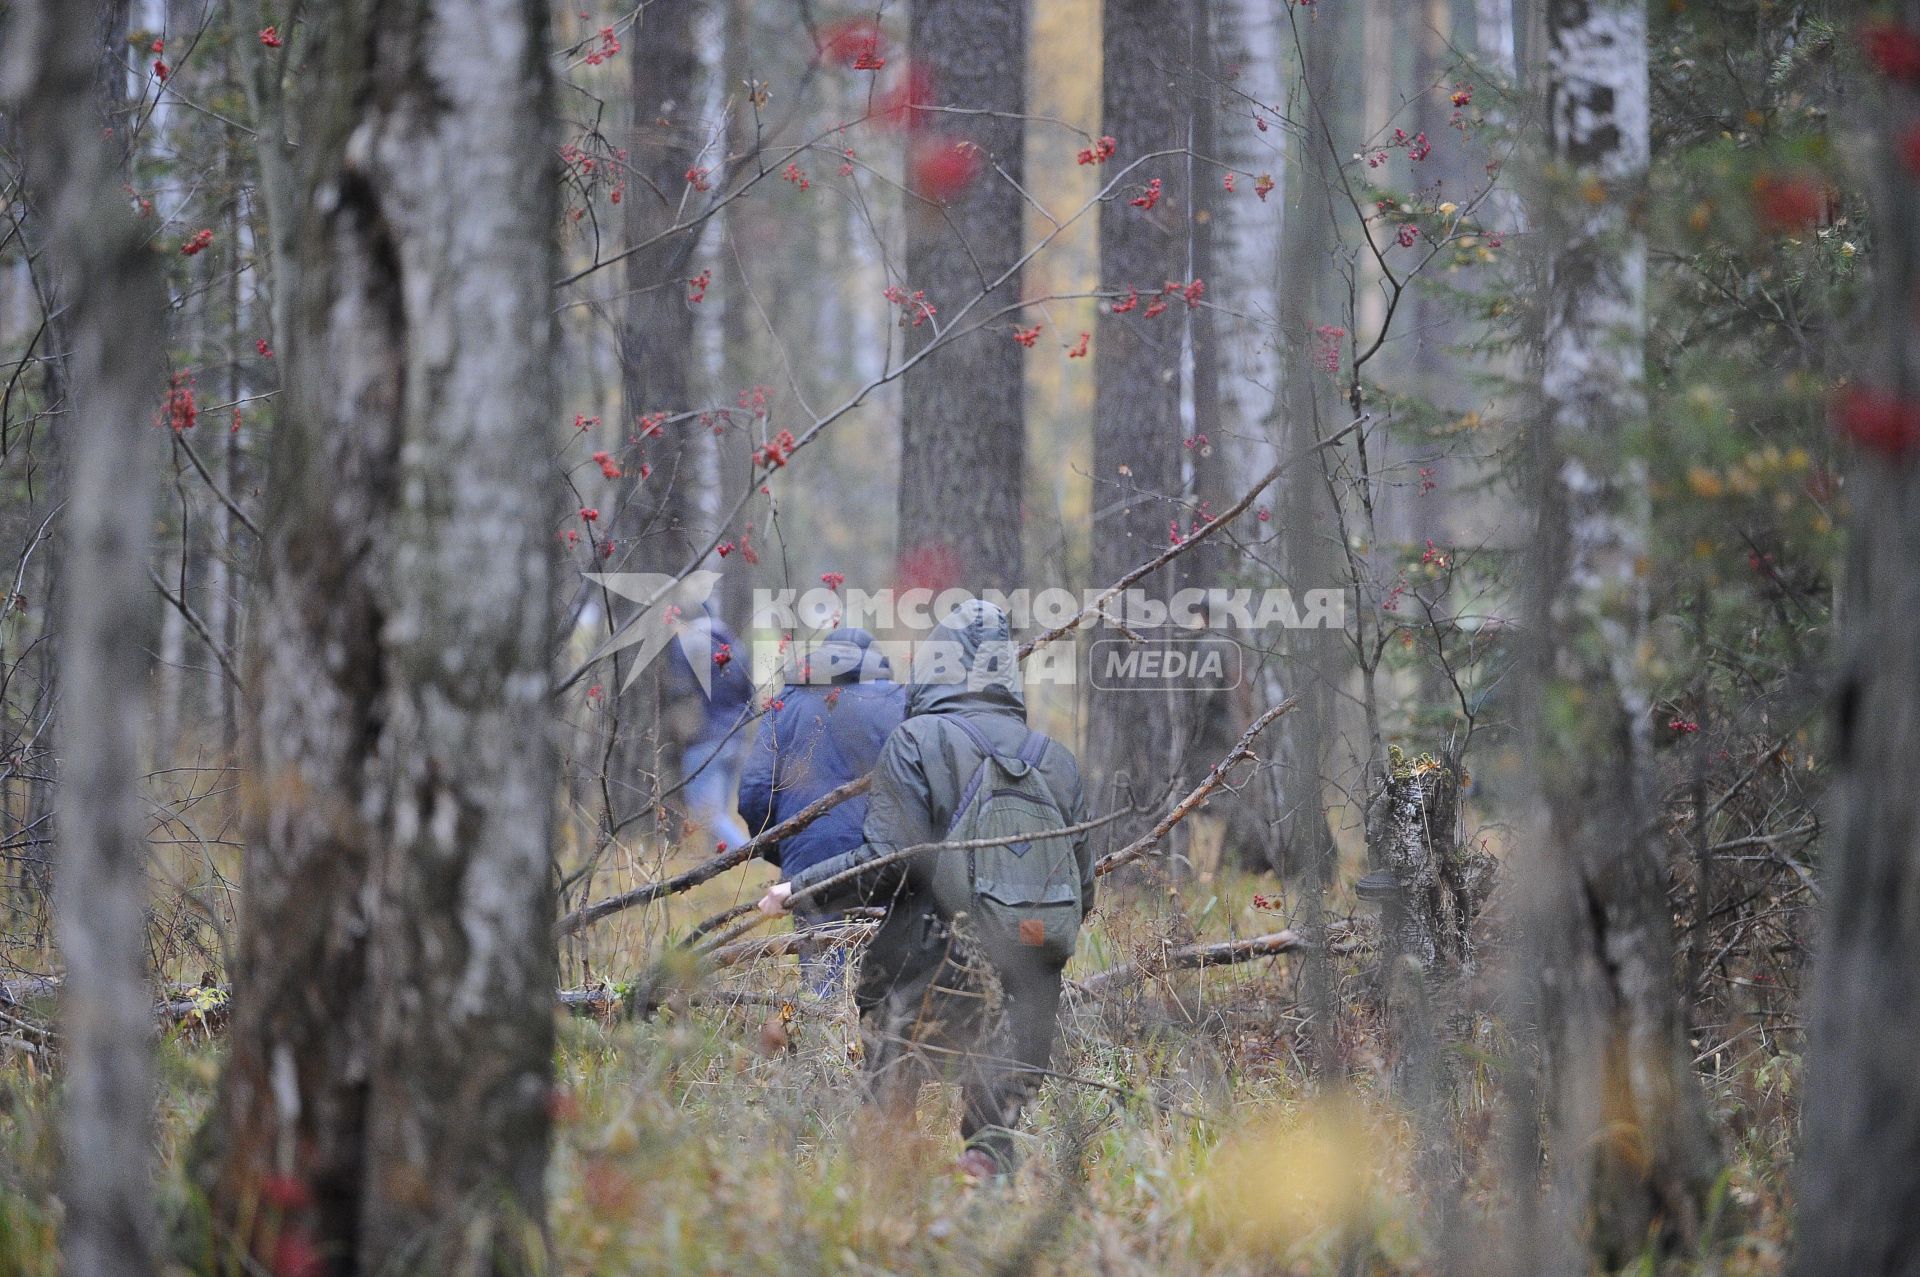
1859	1192
963	412
1632	1154
734	447
109	101
1493	36
114	300
1430	887
384	1104
1301	843
1137	432
654	529
1206	729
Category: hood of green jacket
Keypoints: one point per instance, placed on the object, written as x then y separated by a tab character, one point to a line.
969	663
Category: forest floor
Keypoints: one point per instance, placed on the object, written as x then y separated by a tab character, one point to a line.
1184	1135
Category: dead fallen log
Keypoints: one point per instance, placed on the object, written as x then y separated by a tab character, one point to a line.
1189	957
607	1002
14	993
208	1009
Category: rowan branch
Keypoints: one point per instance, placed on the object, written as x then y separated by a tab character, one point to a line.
715	866
846	876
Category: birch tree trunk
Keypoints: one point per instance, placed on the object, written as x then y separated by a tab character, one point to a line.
963	413
1136	366
1859	1189
1632	1155
109	101
115	302
384	1103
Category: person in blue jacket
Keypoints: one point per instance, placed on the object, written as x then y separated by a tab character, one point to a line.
710	760
827	729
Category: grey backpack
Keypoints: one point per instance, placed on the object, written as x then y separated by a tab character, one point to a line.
1022	894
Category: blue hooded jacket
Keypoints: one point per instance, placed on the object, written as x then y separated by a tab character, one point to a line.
823	735
730	687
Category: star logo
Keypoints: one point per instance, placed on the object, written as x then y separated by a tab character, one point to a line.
665	603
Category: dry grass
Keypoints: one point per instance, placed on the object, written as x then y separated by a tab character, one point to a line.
1188	1141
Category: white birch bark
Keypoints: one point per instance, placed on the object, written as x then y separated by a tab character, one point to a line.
115	301
392	1027
1630	1147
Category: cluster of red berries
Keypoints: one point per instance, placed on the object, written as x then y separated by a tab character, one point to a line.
608	46
776	452
182	412
914	306
1099	153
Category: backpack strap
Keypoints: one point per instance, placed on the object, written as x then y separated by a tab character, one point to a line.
979	776
973	733
1033	749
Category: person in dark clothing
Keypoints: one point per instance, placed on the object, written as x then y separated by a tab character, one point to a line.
933	998
711	752
825	728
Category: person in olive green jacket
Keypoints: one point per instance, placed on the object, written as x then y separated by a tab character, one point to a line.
931	999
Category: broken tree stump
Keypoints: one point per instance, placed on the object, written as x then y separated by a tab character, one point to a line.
1429	886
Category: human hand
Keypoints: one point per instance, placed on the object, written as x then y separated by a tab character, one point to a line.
774	903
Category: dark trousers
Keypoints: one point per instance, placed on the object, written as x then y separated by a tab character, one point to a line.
934	1004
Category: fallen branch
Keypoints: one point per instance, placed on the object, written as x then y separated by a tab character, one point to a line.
789	945
210	1012
1188	957
1242	749
207	1008
606	1003
845	876
586	915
